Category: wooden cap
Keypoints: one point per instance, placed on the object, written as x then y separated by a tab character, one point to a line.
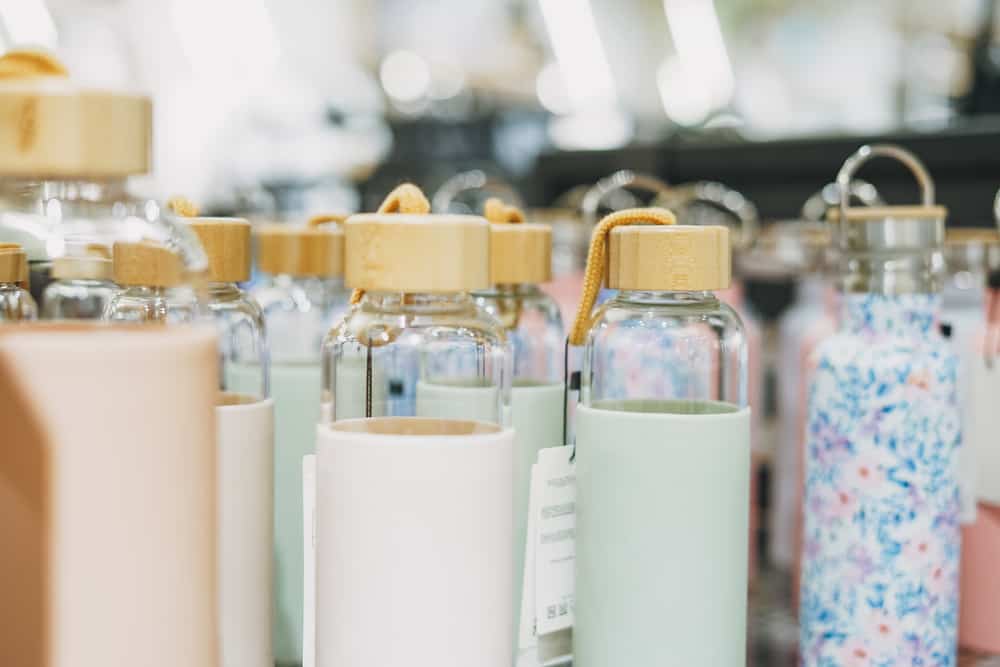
51	127
669	257
300	251
398	252
89	262
146	264
13	264
971	236
227	244
869	213
520	253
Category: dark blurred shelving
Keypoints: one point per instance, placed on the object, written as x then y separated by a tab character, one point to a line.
780	175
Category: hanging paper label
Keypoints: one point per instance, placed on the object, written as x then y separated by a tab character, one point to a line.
526	639
555	540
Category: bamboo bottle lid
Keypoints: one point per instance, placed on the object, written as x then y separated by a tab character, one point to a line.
300	251
971	236
13	264
227	244
399	252
146	264
52	127
90	262
669	257
519	252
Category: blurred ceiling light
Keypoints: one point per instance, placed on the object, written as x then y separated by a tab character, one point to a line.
550	86
226	38
577	46
26	22
701	65
686	100
405	76
591	130
448	81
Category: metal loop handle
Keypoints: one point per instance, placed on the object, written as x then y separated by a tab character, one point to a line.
620	180
725	199
815	208
996	209
866	153
472	180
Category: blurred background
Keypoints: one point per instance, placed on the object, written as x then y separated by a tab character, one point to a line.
279	108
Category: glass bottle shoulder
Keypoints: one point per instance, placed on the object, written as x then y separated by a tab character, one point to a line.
77	298
388	317
16	304
665	314
153	304
46	216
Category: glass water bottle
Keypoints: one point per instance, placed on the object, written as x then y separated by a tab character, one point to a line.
520	260
301	294
81	286
881	543
151	292
151	286
417	344
16	303
245	442
63	186
662	451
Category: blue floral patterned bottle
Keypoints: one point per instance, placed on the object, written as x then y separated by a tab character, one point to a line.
882	540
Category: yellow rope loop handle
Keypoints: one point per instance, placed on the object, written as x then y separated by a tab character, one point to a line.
30	63
183	207
405	198
324	218
496	211
596	258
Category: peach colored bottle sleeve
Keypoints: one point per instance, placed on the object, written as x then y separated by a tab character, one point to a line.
979	599
107	495
414	537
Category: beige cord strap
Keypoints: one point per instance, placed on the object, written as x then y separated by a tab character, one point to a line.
497	212
182	206
597	257
405	198
324	218
28	63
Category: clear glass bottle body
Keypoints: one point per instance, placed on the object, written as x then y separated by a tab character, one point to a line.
77	299
534	329
139	303
16	304
243	343
424	355
53	218
683	352
299	311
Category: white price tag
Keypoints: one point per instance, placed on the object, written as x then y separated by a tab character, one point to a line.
555	540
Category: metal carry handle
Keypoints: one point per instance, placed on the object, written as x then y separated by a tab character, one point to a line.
815	208
472	180
620	180
996	209
725	199
868	152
